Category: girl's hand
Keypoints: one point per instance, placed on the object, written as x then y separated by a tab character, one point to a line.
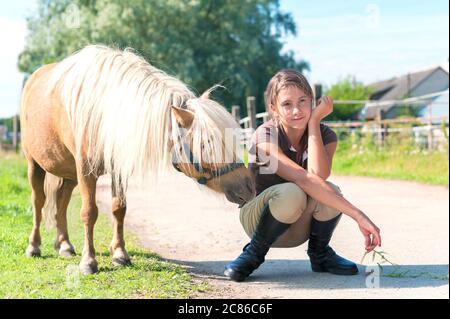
324	107
370	232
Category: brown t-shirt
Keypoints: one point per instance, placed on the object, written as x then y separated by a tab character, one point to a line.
261	168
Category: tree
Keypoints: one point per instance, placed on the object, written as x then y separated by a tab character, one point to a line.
8	122
202	42
345	90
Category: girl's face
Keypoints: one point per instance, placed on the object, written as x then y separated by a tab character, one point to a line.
293	107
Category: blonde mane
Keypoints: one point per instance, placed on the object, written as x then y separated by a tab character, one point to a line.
119	108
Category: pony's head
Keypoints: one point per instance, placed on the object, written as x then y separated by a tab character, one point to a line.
206	148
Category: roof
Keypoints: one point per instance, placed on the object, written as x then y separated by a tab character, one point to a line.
399	87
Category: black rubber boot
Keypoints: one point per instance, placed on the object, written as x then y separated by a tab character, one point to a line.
267	231
323	257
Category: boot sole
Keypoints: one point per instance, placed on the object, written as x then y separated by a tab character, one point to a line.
340	272
234	275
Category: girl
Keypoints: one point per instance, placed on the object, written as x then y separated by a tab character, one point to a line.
291	158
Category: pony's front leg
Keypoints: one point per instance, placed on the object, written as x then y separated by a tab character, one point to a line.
89	214
120	256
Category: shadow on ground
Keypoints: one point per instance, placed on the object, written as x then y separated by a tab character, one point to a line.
293	274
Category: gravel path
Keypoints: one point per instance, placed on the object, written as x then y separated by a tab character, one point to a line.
190	226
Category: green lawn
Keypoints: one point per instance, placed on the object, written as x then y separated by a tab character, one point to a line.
54	277
401	164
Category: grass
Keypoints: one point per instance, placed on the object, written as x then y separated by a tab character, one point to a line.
380	258
398	161
55	277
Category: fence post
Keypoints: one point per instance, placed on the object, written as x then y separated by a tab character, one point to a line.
318	91
15	134
235	112
379	127
251	111
430	127
385	127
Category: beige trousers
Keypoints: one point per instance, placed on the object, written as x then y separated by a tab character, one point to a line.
289	204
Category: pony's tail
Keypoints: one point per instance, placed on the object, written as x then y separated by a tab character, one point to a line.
52	184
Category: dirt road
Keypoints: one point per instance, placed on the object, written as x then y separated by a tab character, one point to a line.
187	225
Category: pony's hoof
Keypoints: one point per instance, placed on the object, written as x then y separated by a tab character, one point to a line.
88	268
33	251
120	257
118	262
67	251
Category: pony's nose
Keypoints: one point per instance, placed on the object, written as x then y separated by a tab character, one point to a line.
234	197
241	195
251	191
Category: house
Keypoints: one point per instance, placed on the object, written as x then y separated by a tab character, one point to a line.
414	84
438	106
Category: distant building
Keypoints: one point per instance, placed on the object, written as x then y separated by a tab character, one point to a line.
439	106
432	80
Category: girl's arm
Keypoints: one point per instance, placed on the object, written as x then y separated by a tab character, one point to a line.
317	188
320	157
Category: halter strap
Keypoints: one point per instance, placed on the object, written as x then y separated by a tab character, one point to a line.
213	173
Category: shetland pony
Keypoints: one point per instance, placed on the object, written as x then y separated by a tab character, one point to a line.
108	111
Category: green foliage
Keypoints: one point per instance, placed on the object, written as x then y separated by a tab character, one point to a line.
202	42
408	110
347	89
9	123
398	158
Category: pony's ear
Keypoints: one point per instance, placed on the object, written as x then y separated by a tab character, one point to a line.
205	95
184	117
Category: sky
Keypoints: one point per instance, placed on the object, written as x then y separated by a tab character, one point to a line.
370	40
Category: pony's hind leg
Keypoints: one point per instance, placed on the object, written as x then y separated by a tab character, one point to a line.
36	176
87	183
119	254
62	243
